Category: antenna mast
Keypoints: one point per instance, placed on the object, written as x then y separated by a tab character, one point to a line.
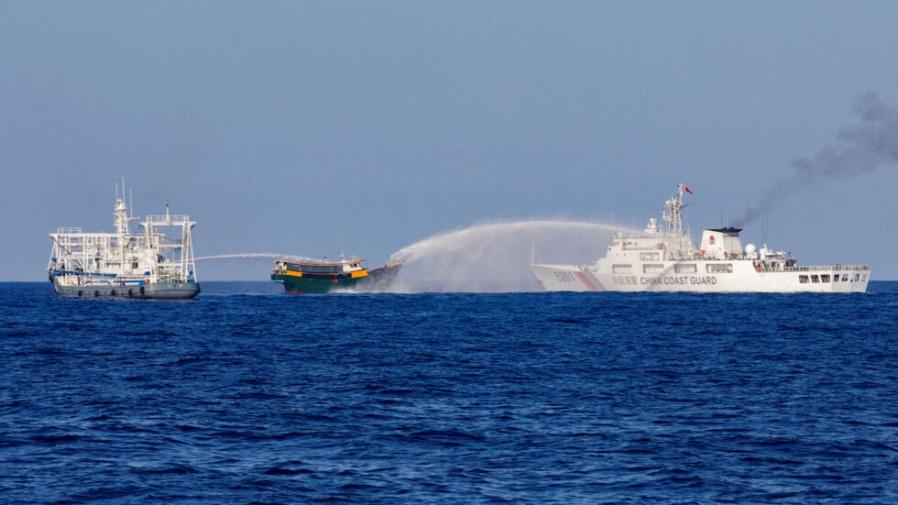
673	215
681	244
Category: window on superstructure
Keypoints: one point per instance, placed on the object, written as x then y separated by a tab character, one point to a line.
622	269
652	268
836	278
803	279
318	269
824	278
685	268
844	277
815	278
649	256
719	268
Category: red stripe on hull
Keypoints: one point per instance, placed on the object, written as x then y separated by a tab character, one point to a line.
587	280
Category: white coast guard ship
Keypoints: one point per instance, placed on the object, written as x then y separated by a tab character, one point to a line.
667	260
146	264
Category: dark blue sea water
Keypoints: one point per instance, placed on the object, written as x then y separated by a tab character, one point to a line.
246	395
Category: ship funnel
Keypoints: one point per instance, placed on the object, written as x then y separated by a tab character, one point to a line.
721	243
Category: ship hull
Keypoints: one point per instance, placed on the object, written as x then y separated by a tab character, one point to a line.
566	278
318	284
743	279
162	291
376	280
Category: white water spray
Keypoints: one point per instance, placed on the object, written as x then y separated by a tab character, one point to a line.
258	265
252	256
496	256
491	257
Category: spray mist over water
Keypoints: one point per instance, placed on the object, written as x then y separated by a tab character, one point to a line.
496	257
869	143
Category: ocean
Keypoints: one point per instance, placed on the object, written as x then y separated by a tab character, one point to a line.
248	395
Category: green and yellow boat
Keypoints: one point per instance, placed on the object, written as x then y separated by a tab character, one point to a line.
322	276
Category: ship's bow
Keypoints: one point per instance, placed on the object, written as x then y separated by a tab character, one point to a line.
565	278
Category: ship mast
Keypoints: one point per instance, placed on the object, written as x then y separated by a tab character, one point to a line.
121	228
673	216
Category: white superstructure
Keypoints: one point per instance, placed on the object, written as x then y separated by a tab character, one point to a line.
156	261
667	260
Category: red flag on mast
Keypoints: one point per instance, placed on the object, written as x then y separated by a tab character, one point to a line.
686	189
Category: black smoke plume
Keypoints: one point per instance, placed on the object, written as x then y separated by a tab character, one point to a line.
871	142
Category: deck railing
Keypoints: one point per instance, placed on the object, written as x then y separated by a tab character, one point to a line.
163	219
827	268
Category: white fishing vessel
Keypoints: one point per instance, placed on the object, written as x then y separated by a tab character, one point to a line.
155	262
667	260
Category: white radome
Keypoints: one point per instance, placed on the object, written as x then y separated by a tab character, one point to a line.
667	260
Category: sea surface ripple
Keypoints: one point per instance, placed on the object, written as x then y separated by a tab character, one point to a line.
247	395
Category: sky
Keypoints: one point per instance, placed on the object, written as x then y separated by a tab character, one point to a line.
310	127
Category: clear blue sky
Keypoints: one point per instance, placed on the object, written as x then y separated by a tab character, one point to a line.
299	127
